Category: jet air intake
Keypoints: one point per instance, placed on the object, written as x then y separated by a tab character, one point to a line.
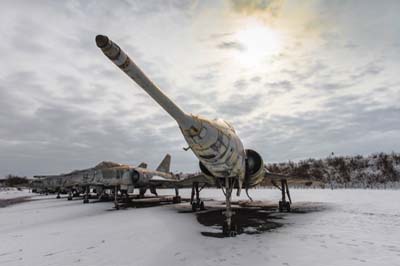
254	168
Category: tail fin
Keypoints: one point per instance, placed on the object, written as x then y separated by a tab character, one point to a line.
165	164
142	165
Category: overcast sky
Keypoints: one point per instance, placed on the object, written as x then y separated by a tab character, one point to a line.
297	79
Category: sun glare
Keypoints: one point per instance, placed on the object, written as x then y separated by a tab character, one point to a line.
257	42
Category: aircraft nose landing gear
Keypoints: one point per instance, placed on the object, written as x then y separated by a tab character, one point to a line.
228	229
198	205
284	206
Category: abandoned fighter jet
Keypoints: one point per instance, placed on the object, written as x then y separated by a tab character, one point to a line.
37	186
222	158
49	184
73	183
125	178
113	176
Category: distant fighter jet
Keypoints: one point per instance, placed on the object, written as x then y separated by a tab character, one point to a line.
73	183
222	158
48	184
110	175
37	186
125	178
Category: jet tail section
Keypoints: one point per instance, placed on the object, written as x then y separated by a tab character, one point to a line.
165	164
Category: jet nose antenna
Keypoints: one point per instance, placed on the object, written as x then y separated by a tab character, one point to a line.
101	41
121	59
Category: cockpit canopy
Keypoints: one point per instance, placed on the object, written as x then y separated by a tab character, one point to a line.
106	164
223	123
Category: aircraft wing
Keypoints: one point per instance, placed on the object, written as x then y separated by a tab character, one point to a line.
160	181
272	178
187	181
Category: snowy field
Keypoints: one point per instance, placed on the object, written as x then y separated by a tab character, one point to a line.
10	193
360	227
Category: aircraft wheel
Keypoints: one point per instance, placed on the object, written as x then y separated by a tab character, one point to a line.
232	232
202	208
288	206
176	199
284	206
194	206
125	198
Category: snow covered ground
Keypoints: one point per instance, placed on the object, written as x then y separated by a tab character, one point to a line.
11	193
360	227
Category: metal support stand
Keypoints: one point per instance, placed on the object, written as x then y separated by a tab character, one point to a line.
142	191
196	203
153	191
69	195
124	196
86	197
116	198
177	198
75	193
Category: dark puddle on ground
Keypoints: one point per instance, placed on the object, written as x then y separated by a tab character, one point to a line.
252	220
246	220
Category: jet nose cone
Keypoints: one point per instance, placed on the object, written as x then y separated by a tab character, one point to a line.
101	41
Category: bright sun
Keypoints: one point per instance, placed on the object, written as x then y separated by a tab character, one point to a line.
258	41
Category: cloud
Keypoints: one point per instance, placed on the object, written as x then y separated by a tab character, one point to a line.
238	105
232	45
241	84
372	68
256	79
64	106
221	35
279	87
271	7
344	127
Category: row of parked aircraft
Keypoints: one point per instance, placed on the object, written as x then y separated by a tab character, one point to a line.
121	179
223	161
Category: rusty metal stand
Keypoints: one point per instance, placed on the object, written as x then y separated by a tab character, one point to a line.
69	195
177	198
116	198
